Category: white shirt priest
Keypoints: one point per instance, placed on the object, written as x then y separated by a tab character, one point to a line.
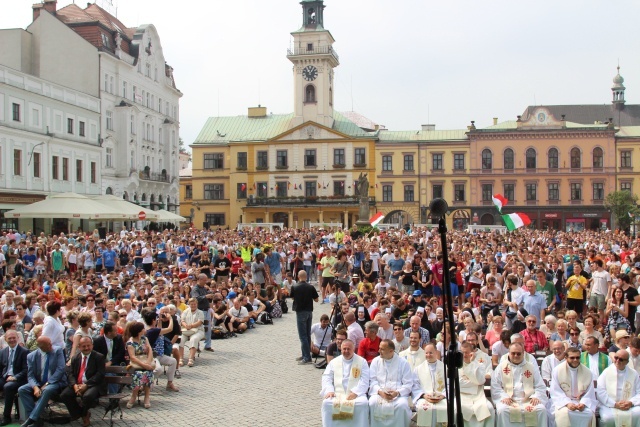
477	411
390	385
345	383
414	354
518	391
619	394
573	398
428	391
551	361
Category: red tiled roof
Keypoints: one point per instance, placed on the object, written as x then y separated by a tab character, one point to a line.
72	14
105	17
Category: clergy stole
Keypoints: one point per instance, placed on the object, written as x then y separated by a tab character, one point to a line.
384	408
516	410
474	404
584	380
602	360
431	385
622	418
342	408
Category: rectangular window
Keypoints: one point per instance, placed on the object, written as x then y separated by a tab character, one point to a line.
338	188
576	191
242	160
338	157
281	188
625	186
261	188
17	162
7	223
263	162
458	161
35	118
109	157
553	191
16	112
188	191
408	162
214	219
79	170
487	192
436	191
214	191
598	191
241	191
509	191
65	169
94	172
387	193
458	193
124	90
281	159
309	47
625	159
133	125
532	192
214	161
54	167
310	188
310	157
359	157
70	126
36	165
81	129
109	120
436	162
387	163
408	193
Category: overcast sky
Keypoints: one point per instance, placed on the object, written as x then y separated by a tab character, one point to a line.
403	63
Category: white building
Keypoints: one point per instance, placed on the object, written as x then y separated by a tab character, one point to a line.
49	118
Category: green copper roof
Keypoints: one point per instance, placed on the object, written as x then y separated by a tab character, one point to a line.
422	135
513	125
628	132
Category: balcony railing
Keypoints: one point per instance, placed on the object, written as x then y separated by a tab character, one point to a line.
545	170
159	177
310	200
327	50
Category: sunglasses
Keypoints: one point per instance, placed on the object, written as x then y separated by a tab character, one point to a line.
397	329
621	359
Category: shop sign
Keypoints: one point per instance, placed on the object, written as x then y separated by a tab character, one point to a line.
551	215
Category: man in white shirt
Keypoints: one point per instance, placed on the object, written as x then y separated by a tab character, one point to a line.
320	335
354	331
551	361
345	383
414	354
592	358
429	389
477	411
600	289
619	394
385	328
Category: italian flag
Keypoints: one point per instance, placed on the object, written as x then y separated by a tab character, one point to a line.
499	201
515	220
374	220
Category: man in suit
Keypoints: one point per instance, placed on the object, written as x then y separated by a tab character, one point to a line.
13	372
85	378
45	379
111	346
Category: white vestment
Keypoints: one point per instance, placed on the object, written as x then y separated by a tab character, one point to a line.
485	360
521	383
614	386
393	375
343	377
414	358
477	411
429	379
548	365
571	385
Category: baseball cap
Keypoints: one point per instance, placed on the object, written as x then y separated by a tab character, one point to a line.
232	295
417	293
499	254
637	265
158	274
621	334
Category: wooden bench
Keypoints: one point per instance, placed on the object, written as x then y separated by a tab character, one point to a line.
115	375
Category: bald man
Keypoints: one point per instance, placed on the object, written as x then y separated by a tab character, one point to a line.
354	331
619	393
304	295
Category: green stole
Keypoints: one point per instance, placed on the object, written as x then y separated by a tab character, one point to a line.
602	360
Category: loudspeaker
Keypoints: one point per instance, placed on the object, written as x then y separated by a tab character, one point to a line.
205	225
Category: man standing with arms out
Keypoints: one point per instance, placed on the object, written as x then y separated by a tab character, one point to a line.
345	383
592	358
390	385
600	289
429	390
304	295
619	393
13	368
518	391
204	297
573	399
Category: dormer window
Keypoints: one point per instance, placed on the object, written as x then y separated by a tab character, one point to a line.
105	40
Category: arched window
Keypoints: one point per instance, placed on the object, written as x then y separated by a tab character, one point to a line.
531	158
310	94
576	162
553	158
508	159
598	157
487	159
125	196
109	191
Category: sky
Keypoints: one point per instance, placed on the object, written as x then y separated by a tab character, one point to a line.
403	63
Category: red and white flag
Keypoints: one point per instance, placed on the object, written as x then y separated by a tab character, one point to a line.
374	220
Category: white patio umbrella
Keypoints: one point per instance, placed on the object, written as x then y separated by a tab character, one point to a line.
67	205
128	209
166	216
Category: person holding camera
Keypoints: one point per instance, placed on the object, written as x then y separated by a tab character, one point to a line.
204	297
162	349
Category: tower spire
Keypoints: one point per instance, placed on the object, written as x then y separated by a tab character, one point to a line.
618	90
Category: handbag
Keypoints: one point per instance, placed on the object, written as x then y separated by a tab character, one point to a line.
189	332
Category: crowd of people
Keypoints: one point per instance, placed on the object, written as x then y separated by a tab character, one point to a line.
75	304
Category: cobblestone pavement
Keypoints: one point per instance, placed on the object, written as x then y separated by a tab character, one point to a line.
252	380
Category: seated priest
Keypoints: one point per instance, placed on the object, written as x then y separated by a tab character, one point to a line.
429	390
618	392
477	411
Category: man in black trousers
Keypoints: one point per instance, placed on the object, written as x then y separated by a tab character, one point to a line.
13	372
86	378
304	295
111	346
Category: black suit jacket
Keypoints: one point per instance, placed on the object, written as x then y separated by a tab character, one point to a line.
94	372
117	352
20	367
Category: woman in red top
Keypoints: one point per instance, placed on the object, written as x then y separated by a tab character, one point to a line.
236	263
369	347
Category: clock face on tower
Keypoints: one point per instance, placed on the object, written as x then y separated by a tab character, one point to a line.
309	73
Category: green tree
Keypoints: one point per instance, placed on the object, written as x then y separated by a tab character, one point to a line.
621	204
182	148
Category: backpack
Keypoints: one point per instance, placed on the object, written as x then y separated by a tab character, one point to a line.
264	319
217	333
283	306
276	311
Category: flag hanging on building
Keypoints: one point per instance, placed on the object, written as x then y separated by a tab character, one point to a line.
264	186
515	220
319	186
374	220
499	201
243	187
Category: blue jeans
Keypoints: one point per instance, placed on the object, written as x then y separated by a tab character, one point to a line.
207	334
303	319
32	408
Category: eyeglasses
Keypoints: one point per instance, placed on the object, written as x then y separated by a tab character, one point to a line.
620	359
531	321
574	334
123	315
90	300
574	358
516	354
397	329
